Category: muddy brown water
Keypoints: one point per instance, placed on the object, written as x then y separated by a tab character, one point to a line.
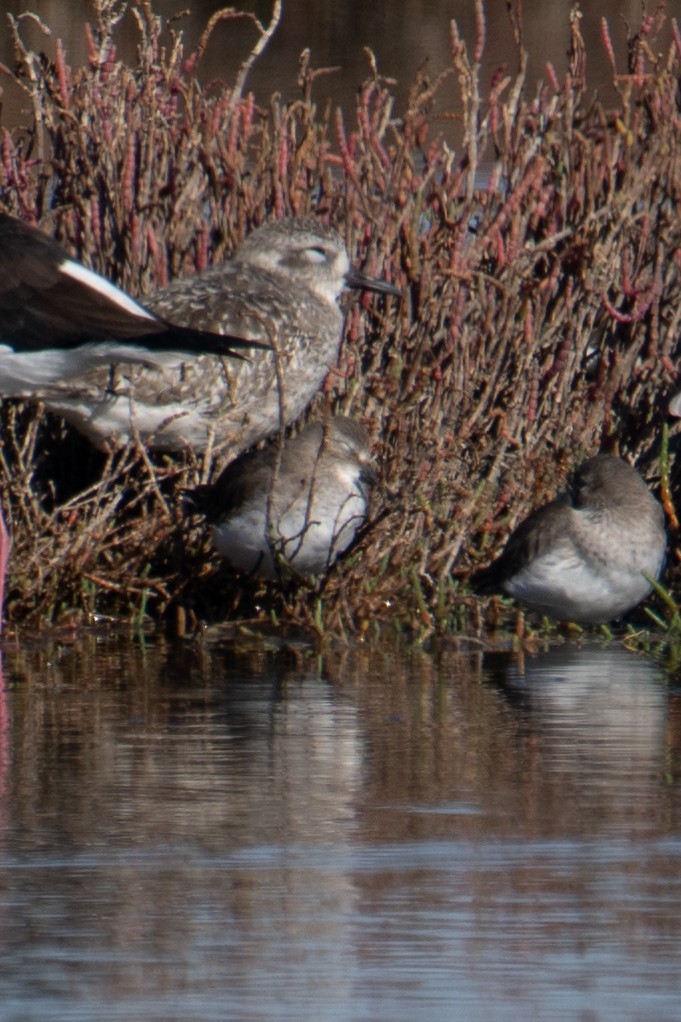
203	832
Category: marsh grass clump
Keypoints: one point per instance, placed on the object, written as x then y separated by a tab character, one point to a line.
540	262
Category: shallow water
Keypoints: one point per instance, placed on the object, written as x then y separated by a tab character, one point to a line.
205	832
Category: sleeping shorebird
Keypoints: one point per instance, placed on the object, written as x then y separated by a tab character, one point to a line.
589	554
298	506
63	328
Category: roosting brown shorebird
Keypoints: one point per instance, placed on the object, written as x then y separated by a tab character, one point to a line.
589	554
64	327
298	506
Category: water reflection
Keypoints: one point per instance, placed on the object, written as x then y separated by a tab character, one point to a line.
243	833
600	715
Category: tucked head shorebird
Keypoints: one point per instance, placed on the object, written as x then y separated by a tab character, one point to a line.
585	556
300	504
281	289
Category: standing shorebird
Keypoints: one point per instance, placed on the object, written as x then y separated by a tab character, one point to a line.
586	556
281	289
300	504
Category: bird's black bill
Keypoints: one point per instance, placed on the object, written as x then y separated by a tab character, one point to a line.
355	278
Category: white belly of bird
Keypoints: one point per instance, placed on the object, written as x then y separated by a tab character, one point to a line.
571	589
309	535
166	427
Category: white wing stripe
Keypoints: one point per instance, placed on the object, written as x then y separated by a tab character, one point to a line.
110	291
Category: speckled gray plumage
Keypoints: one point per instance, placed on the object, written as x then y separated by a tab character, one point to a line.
281	287
584	556
304	500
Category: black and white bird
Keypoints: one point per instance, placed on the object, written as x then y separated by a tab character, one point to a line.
175	381
60	321
588	555
281	291
298	505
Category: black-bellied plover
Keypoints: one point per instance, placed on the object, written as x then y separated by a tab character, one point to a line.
299	504
281	289
588	555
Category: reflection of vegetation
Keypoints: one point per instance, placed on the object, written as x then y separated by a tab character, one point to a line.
540	319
